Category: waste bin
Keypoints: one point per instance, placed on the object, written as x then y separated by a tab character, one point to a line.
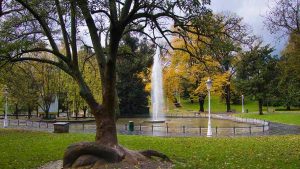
246	110
61	127
131	126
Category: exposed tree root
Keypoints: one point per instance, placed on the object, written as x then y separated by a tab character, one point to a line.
94	155
152	153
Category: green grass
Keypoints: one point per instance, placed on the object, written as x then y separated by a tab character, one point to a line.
23	149
217	106
292	117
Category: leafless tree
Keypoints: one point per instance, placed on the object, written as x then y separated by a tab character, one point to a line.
284	16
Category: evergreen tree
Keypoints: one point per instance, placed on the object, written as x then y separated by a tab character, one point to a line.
137	57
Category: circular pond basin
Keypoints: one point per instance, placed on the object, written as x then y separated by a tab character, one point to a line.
176	126
187	122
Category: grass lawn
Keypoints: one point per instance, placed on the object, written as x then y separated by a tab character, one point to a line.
292	117
217	106
24	149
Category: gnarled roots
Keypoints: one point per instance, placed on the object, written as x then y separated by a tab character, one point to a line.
94	155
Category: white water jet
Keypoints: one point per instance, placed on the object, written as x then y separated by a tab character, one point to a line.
157	98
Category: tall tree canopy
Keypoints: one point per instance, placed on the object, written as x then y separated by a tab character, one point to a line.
289	78
215	56
257	72
28	27
284	16
137	58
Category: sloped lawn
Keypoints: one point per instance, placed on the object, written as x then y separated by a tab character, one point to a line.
24	149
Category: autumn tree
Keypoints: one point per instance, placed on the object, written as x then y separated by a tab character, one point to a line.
218	52
41	26
225	48
185	72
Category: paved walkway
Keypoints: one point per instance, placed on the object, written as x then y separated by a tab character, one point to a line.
282	129
274	129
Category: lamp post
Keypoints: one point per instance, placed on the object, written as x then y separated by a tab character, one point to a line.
5	121
243	110
208	85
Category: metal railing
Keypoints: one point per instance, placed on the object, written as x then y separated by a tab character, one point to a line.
260	126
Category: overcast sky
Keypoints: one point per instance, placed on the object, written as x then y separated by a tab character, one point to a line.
252	11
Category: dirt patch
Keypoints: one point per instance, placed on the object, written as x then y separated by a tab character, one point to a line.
150	164
52	165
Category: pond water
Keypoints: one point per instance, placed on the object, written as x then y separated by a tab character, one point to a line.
175	126
187	122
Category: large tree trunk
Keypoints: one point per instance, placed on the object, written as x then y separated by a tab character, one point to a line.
106	131
105	119
260	106
106	147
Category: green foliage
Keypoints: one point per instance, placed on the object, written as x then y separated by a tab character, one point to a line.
217	106
256	73
21	84
289	75
136	59
36	148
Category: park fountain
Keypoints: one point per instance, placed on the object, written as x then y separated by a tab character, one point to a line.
157	98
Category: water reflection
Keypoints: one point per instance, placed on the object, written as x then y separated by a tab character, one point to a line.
187	122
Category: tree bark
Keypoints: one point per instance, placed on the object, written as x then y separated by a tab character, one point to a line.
68	114
106	131
260	105
37	111
76	114
46	114
288	107
84	111
227	97
17	111
201	103
29	111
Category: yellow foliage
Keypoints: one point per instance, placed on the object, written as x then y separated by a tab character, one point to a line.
184	68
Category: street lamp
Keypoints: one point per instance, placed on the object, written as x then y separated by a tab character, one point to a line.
243	110
5	121
208	85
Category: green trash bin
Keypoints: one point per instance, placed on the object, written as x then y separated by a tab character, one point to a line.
246	110
131	126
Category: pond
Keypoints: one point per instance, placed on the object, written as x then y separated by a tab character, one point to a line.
187	122
176	126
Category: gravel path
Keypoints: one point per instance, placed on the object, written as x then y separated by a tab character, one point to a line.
283	129
52	165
